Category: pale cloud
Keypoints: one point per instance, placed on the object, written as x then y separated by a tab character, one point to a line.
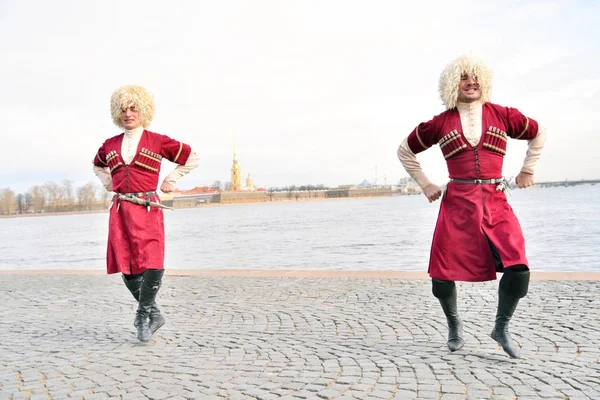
315	91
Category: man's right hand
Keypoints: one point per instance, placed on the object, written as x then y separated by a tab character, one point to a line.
167	187
432	192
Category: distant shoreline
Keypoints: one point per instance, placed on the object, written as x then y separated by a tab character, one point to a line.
49	214
543	185
203	205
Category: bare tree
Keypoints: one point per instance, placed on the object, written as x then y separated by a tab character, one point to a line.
38	198
86	196
28	201
8	201
67	193
53	193
102	194
21	206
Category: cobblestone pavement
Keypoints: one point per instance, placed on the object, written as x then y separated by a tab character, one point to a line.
72	336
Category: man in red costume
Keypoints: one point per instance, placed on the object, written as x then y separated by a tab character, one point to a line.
129	165
477	233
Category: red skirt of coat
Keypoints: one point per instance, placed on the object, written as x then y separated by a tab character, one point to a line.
471	217
136	238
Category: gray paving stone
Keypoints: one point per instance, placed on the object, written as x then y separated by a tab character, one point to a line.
361	387
405	395
478	395
267	396
423	394
380	394
95	396
453	396
238	396
457	389
80	393
303	338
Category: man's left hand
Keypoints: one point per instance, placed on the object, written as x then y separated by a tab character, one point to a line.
524	180
166	187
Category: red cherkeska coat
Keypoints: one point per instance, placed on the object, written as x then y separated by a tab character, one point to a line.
136	238
472	216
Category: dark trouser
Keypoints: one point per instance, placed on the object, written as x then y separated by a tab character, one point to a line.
513	286
445	291
144	288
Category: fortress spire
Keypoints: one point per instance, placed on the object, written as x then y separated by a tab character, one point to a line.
236	170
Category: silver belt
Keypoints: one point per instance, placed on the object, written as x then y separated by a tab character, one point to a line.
479	181
502	183
140	194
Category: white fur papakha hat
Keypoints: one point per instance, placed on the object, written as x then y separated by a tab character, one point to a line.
451	75
132	95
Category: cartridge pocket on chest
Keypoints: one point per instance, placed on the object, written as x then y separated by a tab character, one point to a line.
149	160
113	160
495	140
452	144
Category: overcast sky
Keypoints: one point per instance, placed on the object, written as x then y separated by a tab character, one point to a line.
316	92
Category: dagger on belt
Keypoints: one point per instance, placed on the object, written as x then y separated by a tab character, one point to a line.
142	202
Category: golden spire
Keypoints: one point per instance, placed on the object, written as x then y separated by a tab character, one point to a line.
236	171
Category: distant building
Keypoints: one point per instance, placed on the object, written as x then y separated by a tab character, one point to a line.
236	173
365	184
408	186
236	176
250	183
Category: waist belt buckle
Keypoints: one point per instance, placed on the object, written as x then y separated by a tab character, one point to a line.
502	185
479	181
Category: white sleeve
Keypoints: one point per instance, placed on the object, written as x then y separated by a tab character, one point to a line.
103	174
534	150
192	162
411	165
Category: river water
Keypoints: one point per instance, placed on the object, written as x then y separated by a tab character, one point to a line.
561	226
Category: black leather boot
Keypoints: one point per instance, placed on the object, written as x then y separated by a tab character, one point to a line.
156	319
513	286
152	279
445	291
134	283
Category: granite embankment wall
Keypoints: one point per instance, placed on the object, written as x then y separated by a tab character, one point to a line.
189	201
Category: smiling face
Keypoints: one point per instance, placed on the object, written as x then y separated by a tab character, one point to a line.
468	89
130	118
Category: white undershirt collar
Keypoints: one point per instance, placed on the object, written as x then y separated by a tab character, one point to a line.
131	139
471	115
